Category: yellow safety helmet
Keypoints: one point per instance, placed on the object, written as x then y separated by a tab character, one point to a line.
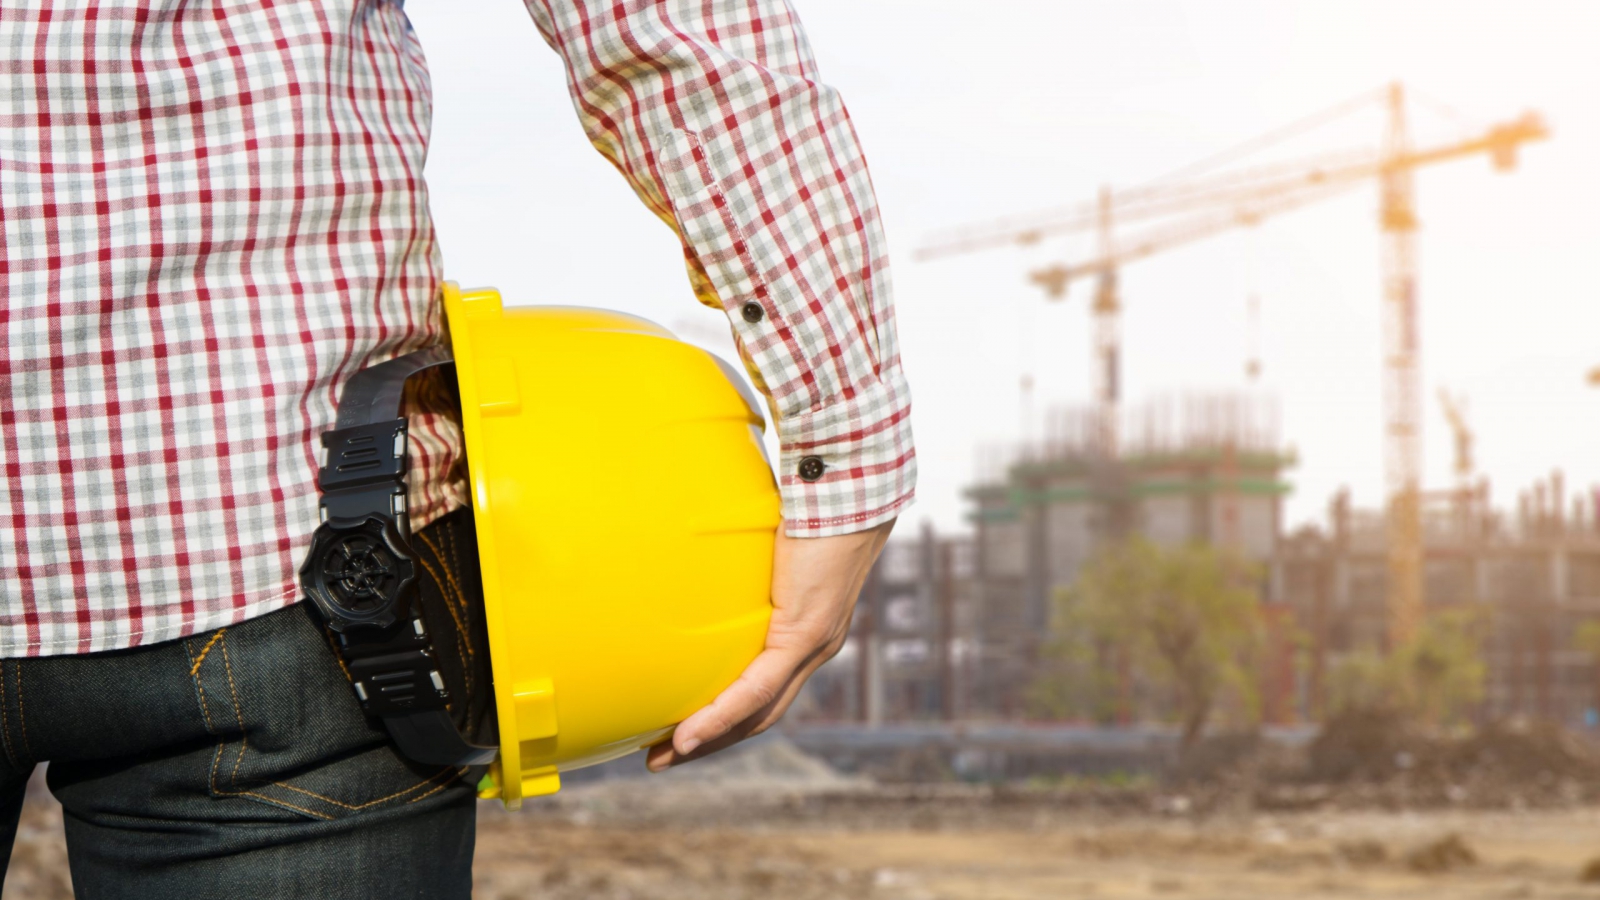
625	515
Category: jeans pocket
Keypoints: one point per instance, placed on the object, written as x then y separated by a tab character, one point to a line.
289	730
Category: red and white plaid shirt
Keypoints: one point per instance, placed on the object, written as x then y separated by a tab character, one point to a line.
213	213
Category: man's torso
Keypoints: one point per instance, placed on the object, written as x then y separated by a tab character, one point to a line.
211	214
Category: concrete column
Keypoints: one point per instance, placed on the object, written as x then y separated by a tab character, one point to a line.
1341	582
869	664
874	652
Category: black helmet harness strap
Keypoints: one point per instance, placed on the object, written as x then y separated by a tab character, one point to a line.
361	571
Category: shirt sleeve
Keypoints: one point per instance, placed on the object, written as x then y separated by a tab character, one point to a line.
713	111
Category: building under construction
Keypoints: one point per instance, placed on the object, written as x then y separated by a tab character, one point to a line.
954	627
1201	469
1533	570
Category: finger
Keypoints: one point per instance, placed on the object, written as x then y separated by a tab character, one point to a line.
664	755
757	721
659	756
809	625
758	685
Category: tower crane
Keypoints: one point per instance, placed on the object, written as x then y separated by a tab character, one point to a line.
1462	497
1455	413
1208	198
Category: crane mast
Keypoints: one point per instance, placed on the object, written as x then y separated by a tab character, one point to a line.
1107	339
1402	379
1455	413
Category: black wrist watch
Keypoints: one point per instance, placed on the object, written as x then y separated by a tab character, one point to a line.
361	573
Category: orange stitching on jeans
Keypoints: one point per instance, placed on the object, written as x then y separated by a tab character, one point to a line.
454	564
428	794
5	726
333	644
195	669
451	566
260	796
22	713
343	805
238	714
450	579
445	586
205	711
216	760
194	672
448	539
444	594
274	800
462	620
455	551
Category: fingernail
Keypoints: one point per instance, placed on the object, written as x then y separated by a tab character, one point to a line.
688	746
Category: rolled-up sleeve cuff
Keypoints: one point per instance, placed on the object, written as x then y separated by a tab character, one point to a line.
850	465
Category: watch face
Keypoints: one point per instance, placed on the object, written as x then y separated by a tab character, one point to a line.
357	572
360	573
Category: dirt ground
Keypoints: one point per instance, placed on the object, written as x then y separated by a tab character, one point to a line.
946	848
942	846
771	822
1538	856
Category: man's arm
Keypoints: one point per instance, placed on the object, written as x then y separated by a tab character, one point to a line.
713	111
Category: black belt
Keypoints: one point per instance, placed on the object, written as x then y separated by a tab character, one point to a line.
361	572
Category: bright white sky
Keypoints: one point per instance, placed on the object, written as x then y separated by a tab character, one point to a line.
970	110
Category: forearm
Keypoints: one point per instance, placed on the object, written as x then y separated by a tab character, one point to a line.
715	115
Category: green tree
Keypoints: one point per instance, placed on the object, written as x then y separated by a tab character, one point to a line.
1445	666
1187	617
1438	677
1365	681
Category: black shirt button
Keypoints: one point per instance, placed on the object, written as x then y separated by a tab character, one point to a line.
752	312
811	468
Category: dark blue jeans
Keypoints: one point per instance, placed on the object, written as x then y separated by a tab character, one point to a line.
238	764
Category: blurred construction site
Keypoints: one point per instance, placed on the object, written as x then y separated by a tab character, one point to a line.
1129	670
1130	675
963	627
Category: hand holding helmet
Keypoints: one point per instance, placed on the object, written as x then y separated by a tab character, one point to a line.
815	583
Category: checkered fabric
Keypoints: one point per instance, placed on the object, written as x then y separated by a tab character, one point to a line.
212	214
713	111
